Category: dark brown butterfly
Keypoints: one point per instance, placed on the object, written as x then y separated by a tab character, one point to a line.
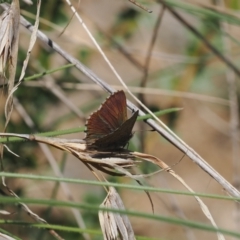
109	128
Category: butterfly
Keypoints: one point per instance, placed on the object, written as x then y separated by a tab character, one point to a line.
109	128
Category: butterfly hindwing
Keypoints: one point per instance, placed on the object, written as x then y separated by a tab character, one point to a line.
119	138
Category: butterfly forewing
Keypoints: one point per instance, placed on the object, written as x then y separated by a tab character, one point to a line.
108	118
118	105
96	127
114	110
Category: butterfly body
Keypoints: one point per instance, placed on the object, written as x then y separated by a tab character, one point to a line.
109	128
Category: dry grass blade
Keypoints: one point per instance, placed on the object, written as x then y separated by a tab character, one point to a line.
164	166
30	47
6	237
9	36
32	41
5	41
114	225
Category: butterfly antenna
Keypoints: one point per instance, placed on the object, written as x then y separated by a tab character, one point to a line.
179	160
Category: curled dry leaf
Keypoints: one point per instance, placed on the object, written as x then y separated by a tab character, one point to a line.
113	225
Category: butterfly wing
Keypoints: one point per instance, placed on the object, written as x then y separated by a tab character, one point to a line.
111	115
117	139
114	110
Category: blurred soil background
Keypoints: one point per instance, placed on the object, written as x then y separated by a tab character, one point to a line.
179	63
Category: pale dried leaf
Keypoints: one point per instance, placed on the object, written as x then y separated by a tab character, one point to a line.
6	37
125	219
108	227
32	41
25	63
9	50
3	212
115	226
